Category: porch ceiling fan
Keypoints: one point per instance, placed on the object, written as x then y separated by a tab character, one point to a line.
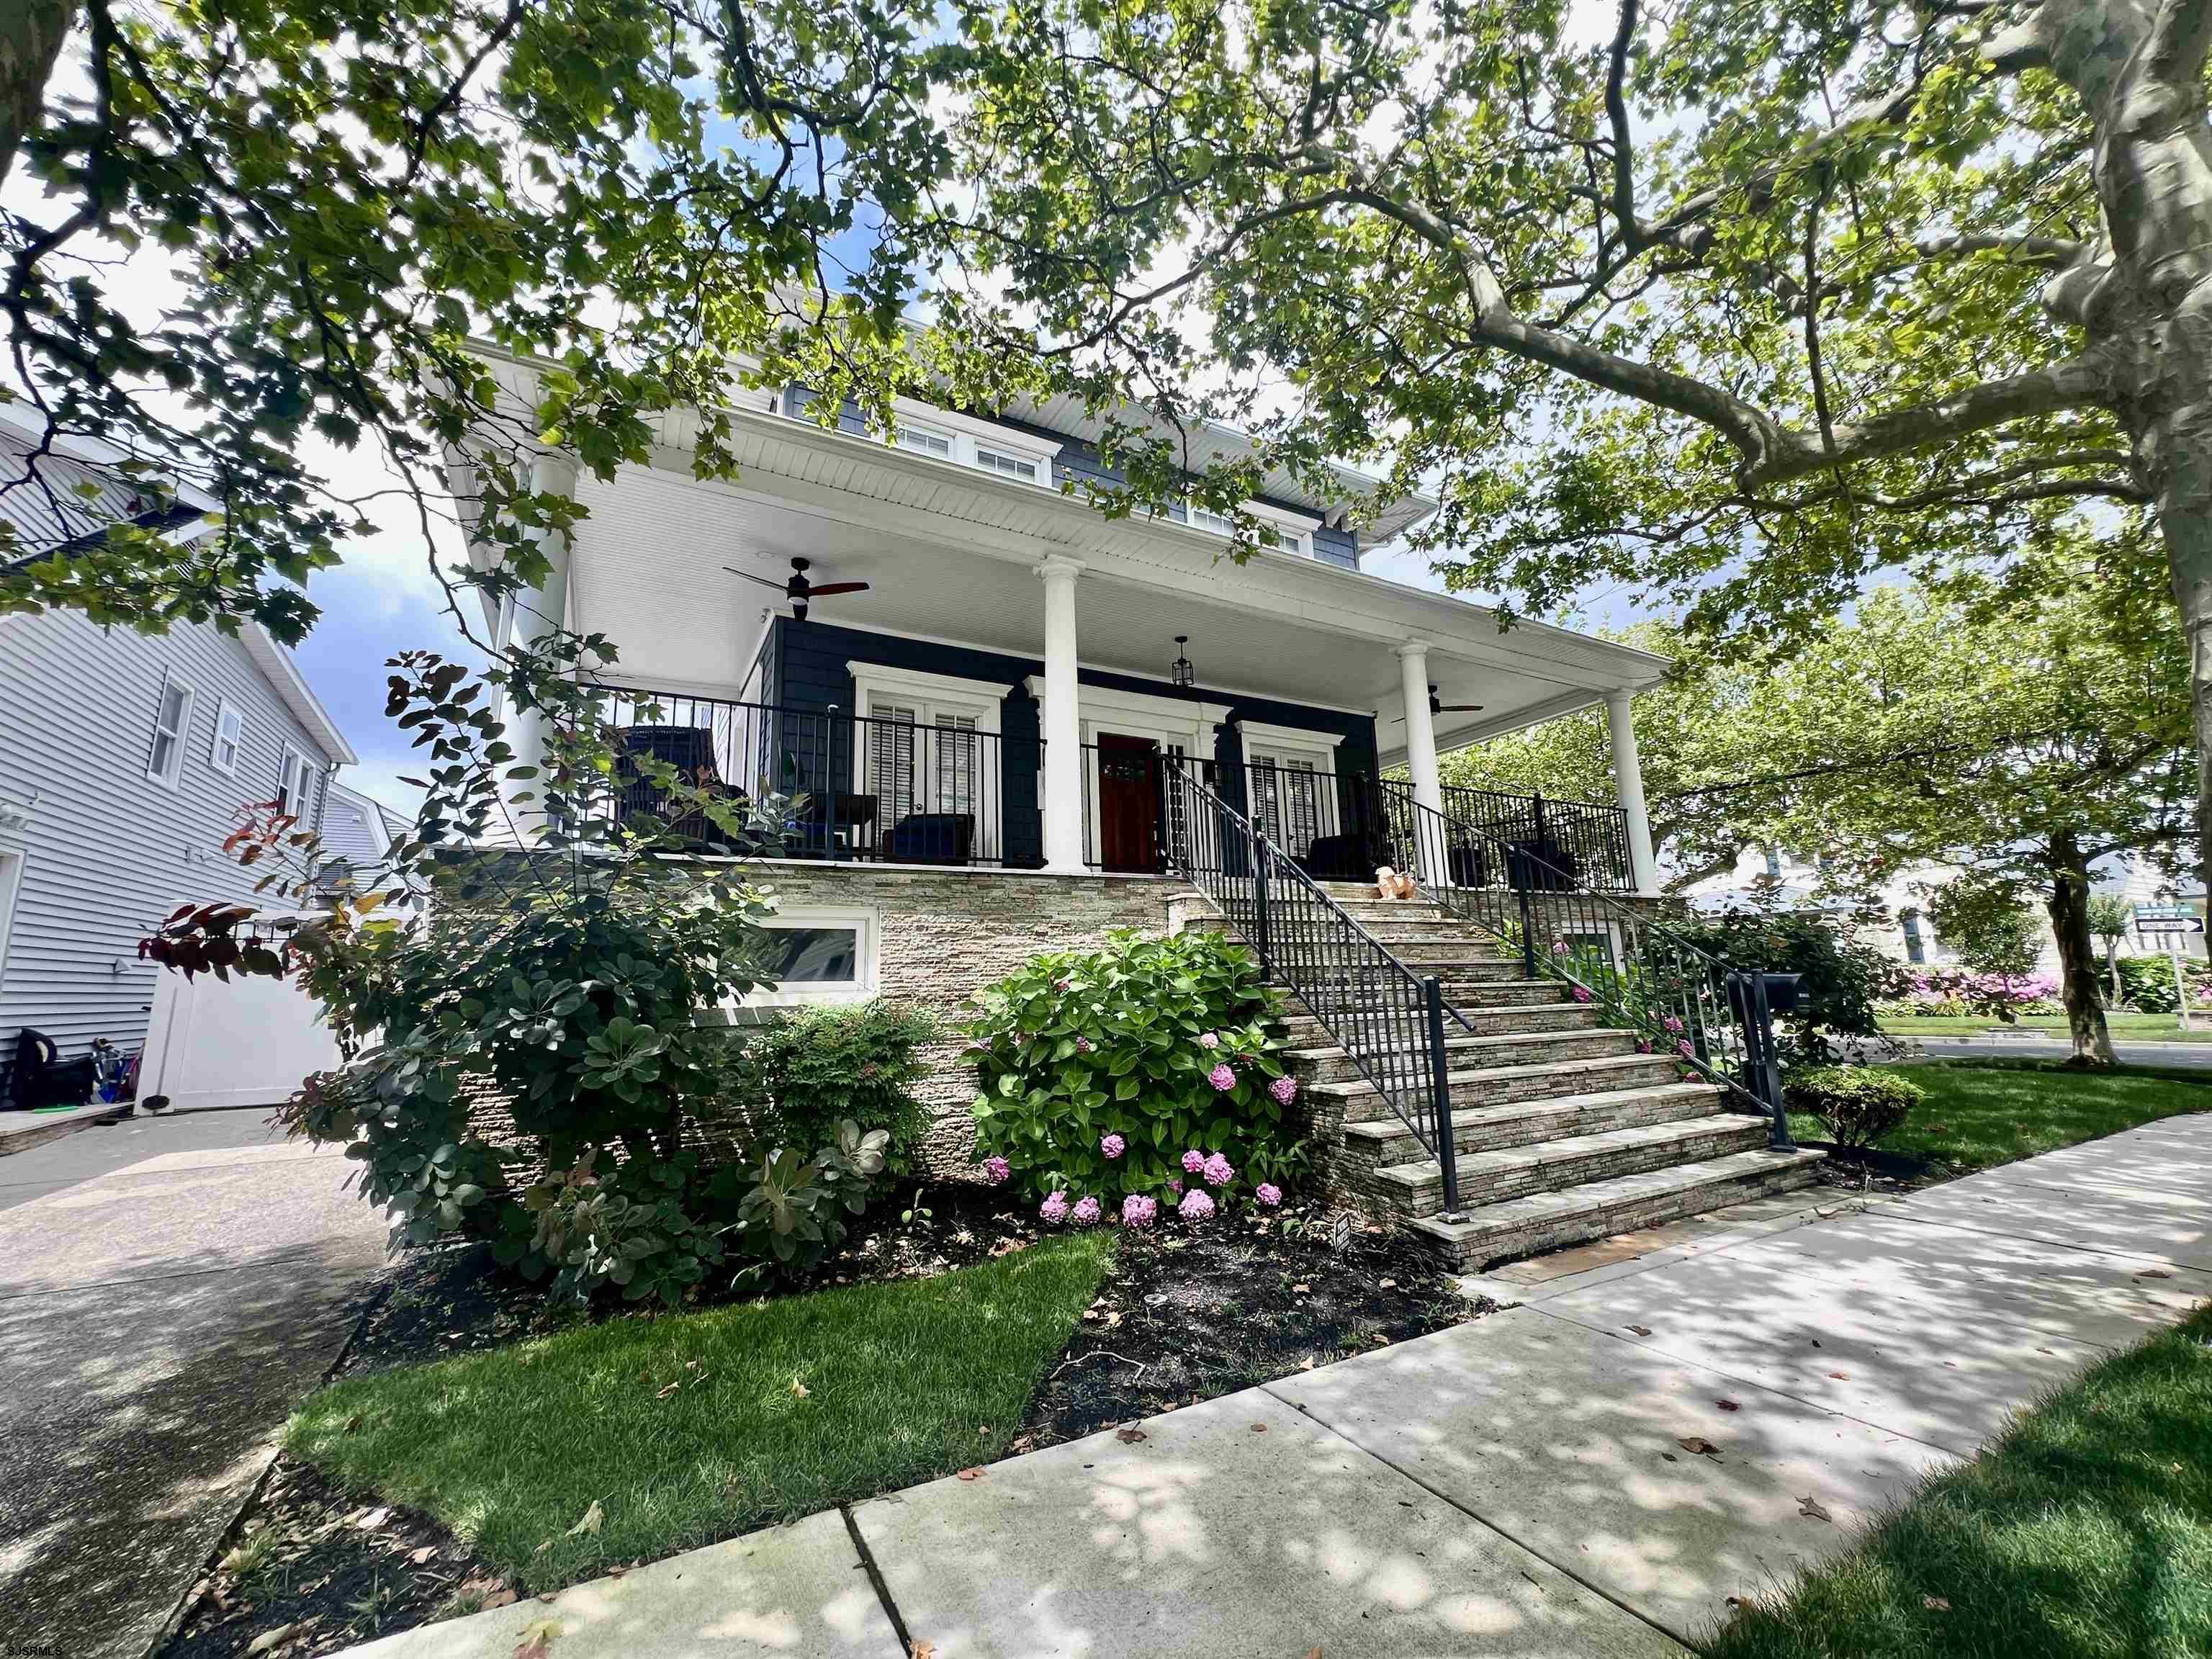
1436	707
800	590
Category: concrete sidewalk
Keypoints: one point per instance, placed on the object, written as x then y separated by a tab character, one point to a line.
1519	1485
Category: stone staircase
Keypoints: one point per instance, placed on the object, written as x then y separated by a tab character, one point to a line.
1564	1132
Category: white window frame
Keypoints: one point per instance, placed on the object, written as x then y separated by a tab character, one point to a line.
931	437
293	757
1290	748
966	438
178	738
868	926
228	714
931	695
1275	529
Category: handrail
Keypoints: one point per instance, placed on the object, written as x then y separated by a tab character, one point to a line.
1387	1018
1680	998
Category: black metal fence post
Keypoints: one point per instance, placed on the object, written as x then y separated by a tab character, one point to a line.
1770	1067
1258	854
1517	868
1432	995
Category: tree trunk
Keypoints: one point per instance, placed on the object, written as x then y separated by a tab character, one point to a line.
31	36
2069	903
2147	299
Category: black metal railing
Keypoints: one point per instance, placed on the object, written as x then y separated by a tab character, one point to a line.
869	788
1390	1020
1679	999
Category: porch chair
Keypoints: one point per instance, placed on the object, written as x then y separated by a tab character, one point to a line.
931	838
689	750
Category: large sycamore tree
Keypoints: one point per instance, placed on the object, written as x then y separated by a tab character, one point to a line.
1736	304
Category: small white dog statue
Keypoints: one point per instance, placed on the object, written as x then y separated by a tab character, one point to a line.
1389	885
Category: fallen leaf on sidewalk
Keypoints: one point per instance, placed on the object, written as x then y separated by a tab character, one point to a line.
1698	1446
1259	1428
1841	1376
973	1474
1641	1330
1130	1435
1727	1405
1813	1510
924	1650
537	1641
589	1521
2154	1272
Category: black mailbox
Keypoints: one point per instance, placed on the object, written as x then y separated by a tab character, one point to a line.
1782	994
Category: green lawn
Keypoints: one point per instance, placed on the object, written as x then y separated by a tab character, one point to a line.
1978	1114
2084	1532
900	1383
2143	1028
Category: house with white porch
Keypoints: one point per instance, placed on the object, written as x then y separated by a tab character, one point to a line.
987	692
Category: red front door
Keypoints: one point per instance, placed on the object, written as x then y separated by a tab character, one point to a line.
1129	802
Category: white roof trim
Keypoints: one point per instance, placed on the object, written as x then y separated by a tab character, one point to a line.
275	662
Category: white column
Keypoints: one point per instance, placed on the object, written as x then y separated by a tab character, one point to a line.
1421	757
532	615
1063	721
1628	783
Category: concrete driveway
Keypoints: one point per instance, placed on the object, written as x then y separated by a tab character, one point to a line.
169	1288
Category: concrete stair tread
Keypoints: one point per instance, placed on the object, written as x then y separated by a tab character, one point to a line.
1594	1198
1595	1066
1476	1045
1567	1148
1474	1120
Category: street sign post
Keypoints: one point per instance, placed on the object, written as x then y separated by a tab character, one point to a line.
2171	922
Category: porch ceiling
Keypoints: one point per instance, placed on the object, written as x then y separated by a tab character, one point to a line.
648	572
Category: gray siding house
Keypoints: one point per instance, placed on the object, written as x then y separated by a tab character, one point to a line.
123	761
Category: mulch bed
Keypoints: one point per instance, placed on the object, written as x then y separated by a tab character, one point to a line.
1870	1173
1182	1317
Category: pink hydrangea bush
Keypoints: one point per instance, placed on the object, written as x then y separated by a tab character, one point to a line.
1138	1211
996	1170
1086	1212
1268	1194
1053	1210
1081	1096
1193	1161
1195	1206
1218	1171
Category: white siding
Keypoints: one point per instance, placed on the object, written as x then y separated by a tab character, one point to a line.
109	852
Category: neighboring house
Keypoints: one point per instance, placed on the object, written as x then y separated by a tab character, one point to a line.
358	833
1002	706
124	760
1901	927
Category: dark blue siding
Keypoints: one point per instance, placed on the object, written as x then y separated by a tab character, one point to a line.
810	675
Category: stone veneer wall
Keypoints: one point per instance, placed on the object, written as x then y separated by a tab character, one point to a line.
943	935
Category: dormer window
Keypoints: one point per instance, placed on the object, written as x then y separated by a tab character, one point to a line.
1014	466
924	441
1271	526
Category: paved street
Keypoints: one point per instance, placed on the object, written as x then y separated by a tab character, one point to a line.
169	1288
2036	1048
1519	1486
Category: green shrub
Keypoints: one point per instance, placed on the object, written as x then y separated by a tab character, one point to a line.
1844	977
2147	982
807	1071
791	1211
1132	1041
1857	1105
